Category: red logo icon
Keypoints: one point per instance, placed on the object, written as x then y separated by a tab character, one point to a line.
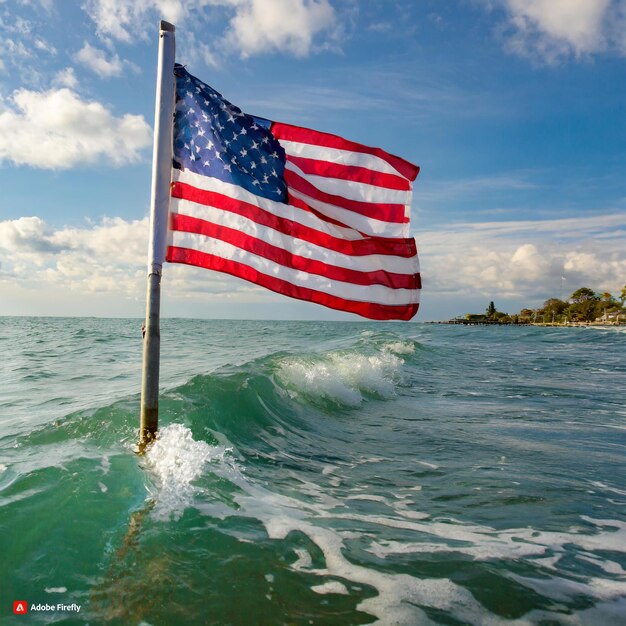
20	607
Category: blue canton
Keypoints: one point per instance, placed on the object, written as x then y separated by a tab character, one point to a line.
214	138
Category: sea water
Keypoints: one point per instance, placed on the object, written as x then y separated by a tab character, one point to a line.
313	473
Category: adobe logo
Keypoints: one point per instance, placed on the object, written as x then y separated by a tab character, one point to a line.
20	607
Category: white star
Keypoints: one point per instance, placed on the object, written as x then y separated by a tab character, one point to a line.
243	131
231	119
253	165
266	178
255	145
205	117
263	160
207	163
219	127
201	132
274	173
254	126
274	154
256	182
264	140
209	145
227	167
218	156
243	152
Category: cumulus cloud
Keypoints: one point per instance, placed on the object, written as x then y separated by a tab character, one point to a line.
252	26
516	259
103	258
279	25
56	129
66	78
96	60
550	30
525	258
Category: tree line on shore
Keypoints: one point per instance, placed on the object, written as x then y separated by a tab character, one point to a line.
584	305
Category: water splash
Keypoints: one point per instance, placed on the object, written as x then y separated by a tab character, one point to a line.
342	378
176	460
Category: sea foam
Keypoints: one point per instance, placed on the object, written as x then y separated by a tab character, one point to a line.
342	378
176	460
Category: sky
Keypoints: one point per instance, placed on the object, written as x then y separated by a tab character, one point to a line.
515	110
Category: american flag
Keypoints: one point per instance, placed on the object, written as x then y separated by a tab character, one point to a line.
304	213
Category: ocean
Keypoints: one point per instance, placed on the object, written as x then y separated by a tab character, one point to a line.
313	473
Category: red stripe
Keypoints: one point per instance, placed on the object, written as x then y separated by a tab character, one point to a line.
384	212
188	224
316	138
360	247
350	173
365	309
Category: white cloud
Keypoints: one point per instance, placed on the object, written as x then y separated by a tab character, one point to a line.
253	26
550	30
105	258
279	25
66	78
56	129
522	260
525	258
97	61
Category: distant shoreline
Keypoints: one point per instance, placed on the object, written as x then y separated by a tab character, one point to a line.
550	324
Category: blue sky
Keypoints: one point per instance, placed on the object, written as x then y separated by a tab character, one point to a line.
514	109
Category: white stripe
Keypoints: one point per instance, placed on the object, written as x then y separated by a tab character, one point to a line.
306	249
367	225
376	294
279	209
341	157
353	190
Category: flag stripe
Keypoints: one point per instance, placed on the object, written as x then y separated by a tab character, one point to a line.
380	211
308	248
379	294
352	190
334	155
276	254
305	135
365	309
366	226
300	212
350	173
293	221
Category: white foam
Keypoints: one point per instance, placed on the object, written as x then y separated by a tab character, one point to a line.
333	586
429	465
342	377
3	467
400	596
103	487
597	483
105	465
400	347
56	589
177	460
304	560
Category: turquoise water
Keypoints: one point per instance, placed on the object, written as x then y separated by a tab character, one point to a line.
314	473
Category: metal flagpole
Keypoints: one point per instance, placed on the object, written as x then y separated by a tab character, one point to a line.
159	215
